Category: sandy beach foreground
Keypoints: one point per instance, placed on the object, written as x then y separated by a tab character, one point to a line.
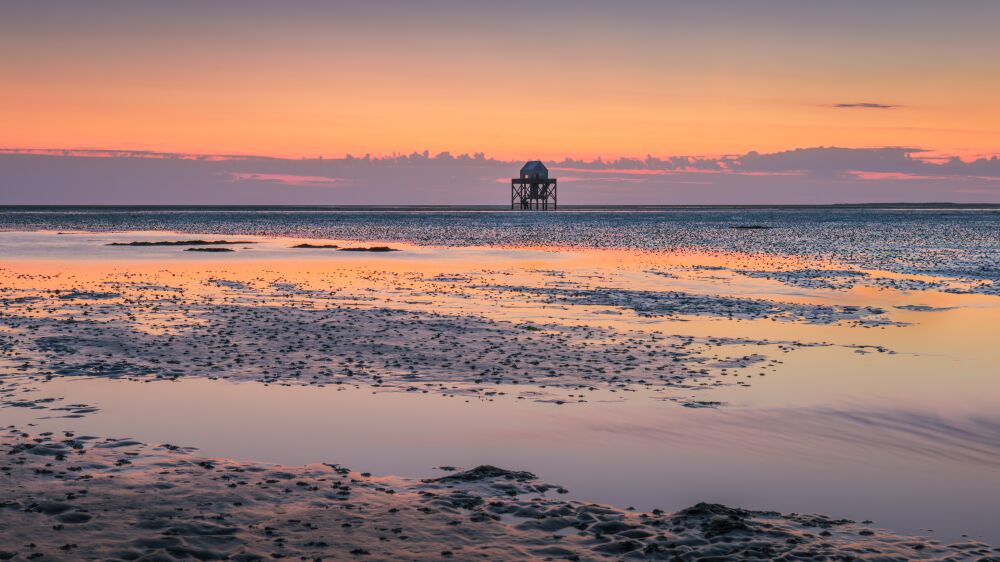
164	404
80	497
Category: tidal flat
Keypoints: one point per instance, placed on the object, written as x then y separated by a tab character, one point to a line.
492	401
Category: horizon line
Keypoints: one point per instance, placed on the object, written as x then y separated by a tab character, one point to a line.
930	155
506	207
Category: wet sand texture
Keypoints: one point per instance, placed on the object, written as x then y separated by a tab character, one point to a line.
274	331
79	497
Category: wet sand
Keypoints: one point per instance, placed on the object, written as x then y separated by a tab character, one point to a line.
693	331
80	497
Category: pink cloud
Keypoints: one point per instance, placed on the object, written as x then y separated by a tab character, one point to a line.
113	153
287	179
901	176
675	171
627	171
894	176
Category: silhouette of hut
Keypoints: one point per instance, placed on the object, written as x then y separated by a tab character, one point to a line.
533	188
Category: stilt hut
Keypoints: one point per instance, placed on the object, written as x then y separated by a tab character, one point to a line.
533	189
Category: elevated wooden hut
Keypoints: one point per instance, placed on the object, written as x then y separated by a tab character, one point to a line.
533	188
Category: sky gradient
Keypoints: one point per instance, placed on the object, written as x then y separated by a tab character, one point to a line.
514	80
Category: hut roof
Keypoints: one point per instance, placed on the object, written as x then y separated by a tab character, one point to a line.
534	166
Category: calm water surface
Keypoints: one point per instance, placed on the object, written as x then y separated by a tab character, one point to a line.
909	469
946	240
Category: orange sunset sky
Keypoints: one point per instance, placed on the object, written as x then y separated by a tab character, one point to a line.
511	79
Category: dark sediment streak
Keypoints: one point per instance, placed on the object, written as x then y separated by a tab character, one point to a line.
316	246
182	243
370	249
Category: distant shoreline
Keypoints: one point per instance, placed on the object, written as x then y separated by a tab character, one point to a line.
494	208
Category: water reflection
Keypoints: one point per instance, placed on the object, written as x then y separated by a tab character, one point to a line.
906	469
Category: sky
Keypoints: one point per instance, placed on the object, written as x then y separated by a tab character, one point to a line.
514	80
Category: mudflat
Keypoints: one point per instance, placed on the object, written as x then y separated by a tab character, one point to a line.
497	403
